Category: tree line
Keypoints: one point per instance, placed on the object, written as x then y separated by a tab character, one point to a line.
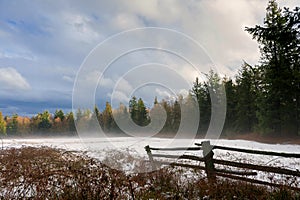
264	98
43	123
64	124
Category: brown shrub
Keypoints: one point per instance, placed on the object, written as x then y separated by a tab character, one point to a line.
47	173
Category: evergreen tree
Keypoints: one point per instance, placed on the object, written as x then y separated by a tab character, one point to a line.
120	115
83	119
12	125
79	114
189	113
133	109
59	114
201	93
157	116
138	111
71	123
231	100
168	109
142	114
176	113
97	113
93	120
155	101
205	93
246	90
107	118
279	45
44	121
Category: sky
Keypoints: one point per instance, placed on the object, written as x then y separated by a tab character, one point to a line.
44	45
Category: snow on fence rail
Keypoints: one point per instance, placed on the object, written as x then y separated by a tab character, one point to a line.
209	163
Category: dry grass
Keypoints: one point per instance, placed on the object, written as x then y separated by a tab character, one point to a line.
47	173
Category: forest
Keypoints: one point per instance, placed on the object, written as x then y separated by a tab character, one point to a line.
263	98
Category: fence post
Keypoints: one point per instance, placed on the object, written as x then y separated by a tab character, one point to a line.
148	150
208	159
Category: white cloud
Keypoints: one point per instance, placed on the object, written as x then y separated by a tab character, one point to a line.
166	95
163	93
166	12
106	82
78	27
11	79
217	25
124	86
183	92
117	97
67	78
189	73
125	21
15	55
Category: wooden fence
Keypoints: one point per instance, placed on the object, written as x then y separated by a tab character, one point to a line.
209	161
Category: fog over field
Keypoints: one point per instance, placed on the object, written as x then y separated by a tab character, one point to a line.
98	147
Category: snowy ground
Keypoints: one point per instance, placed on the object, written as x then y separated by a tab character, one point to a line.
98	148
137	144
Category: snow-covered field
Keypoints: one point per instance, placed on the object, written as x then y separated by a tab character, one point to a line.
136	146
75	143
99	148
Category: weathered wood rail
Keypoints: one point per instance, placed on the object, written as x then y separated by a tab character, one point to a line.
209	163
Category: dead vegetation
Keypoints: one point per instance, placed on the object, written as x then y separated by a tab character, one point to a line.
47	173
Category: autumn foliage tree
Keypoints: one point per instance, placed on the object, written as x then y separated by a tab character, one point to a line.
2	125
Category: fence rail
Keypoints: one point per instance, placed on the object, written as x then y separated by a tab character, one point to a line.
267	153
209	163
